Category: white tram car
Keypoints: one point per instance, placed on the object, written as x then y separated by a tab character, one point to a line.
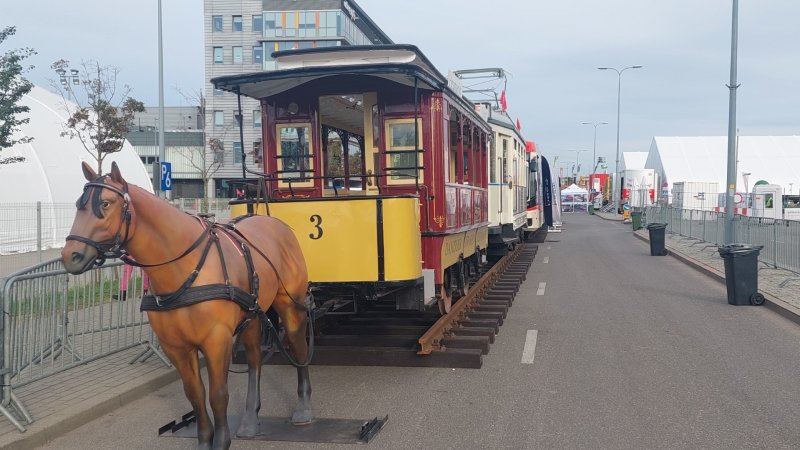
509	186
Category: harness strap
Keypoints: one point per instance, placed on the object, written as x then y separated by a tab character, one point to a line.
197	294
128	260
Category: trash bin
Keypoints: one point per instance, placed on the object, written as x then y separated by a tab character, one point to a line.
636	220
591	209
741	273
657	238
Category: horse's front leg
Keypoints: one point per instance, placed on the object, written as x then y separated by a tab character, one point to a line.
188	366
217	350
295	328
251	340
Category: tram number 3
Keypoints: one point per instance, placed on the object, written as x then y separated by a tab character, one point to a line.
317	221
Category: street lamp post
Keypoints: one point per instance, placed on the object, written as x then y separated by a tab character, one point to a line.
594	146
616	162
67	81
577	152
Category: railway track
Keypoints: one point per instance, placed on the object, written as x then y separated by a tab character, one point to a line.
385	337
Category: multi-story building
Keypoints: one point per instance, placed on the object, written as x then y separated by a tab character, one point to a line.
183	146
240	36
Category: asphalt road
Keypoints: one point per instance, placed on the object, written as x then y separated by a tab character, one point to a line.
632	351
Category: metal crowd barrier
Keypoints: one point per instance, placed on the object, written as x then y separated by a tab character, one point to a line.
54	321
779	238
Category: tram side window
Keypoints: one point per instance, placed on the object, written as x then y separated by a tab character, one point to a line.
454	127
295	155
467	152
505	161
400	163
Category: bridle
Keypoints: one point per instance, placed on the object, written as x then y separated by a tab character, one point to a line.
116	247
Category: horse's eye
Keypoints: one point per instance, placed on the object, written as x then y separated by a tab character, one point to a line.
105	204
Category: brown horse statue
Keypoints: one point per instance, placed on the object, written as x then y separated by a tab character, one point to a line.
207	282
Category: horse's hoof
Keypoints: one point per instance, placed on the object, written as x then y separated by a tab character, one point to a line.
302	417
247	430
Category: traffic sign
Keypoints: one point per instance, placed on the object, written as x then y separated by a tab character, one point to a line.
166	176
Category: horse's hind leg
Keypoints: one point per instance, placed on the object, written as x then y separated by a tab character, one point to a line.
251	340
188	366
295	322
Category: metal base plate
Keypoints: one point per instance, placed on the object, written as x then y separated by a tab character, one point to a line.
336	431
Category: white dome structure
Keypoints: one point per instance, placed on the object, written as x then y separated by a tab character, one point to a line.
51	174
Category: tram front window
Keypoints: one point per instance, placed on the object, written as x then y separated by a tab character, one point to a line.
294	158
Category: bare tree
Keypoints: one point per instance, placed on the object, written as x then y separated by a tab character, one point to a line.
12	87
208	159
102	117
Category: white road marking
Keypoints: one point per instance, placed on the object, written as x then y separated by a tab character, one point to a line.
529	351
546	260
540	291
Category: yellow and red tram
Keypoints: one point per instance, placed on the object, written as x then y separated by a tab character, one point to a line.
380	169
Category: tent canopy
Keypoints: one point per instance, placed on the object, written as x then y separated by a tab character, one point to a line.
704	159
574	189
51	172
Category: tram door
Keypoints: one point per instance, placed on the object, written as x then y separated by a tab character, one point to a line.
343	144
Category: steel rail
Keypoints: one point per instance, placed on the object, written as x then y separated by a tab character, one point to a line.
432	339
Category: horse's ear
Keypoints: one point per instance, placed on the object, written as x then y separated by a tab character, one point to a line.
115	173
88	172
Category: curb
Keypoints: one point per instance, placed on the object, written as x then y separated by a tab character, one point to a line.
605	218
46	429
772	302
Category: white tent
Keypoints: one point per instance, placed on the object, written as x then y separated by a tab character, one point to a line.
775	159
51	174
574	198
632	160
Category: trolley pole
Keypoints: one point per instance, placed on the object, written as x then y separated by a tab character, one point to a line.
730	187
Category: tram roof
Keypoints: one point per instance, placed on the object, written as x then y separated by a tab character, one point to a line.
397	63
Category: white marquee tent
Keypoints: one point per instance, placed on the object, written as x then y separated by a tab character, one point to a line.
775	159
51	174
574	198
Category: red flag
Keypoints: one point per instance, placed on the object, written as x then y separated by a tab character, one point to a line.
503	103
519	127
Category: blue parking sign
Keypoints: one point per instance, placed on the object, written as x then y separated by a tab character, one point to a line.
166	176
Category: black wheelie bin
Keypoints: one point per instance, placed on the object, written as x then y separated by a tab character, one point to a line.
741	273
657	232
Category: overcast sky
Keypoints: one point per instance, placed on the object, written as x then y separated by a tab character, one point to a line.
551	49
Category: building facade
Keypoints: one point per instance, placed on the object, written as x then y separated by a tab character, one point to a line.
239	37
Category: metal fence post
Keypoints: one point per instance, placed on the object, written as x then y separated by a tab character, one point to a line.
39	229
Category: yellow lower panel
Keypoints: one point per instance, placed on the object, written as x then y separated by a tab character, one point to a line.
340	238
401	239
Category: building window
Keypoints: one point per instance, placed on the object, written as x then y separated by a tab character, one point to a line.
237	23
291	24
219	119
218	55
216	24
237	55
258	23
257	118
218	92
273	25
237	152
257	152
258	55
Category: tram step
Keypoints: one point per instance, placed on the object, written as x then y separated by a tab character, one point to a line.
475	342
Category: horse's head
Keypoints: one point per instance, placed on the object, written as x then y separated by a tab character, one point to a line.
102	222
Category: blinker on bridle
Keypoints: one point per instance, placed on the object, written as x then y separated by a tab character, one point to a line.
105	250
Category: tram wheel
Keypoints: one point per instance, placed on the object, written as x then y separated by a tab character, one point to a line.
463	277
445	300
